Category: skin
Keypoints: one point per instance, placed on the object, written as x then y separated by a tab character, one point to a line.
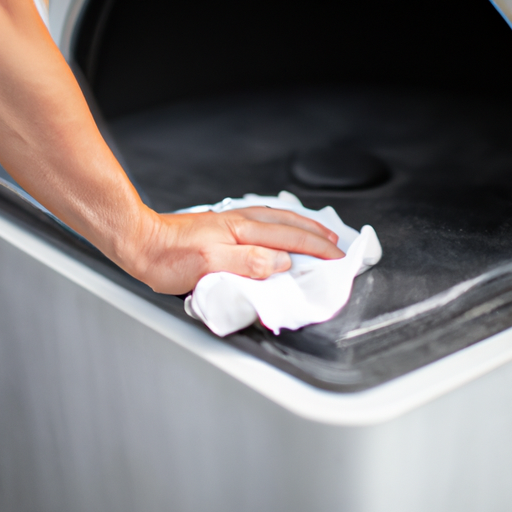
50	144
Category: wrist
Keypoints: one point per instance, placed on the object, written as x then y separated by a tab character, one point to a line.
132	245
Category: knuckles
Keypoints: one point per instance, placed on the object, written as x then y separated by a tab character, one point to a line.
258	263
239	227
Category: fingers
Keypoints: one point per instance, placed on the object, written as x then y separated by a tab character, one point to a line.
271	215
286	238
183	248
250	261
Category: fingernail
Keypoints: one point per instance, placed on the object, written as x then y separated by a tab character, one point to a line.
282	262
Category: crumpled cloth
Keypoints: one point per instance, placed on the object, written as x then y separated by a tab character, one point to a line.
312	291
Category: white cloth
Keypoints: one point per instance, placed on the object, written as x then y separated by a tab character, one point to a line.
312	291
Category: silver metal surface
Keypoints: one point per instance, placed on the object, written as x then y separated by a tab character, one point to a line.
110	404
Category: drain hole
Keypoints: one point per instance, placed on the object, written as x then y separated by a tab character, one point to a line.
339	167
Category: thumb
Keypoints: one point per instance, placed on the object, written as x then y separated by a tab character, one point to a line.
251	261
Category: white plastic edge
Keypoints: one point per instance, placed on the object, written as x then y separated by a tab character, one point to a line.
64	15
377	405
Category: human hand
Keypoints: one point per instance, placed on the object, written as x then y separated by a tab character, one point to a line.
171	253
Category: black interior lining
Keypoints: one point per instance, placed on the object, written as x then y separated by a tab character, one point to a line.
137	55
444	216
218	100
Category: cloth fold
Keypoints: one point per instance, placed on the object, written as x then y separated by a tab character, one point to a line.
312	291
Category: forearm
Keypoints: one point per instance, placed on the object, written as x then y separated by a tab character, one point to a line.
49	141
50	144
